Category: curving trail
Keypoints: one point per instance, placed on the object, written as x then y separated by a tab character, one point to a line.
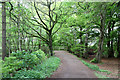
71	67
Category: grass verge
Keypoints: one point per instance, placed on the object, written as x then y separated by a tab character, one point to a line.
100	76
95	68
43	70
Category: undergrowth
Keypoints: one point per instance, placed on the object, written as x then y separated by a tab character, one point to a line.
101	76
22	64
40	71
94	67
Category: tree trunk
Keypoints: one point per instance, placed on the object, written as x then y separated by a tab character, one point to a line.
34	45
40	39
50	44
3	30
32	42
108	43
14	46
28	43
101	40
118	42
39	44
18	25
80	36
98	56
111	49
23	42
85	55
9	40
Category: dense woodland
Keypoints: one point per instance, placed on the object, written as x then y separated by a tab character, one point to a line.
82	28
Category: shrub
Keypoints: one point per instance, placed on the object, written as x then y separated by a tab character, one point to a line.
20	60
40	54
78	49
116	53
30	60
94	60
40	71
10	66
45	49
19	54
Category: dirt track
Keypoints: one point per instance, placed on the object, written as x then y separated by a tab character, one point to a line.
71	67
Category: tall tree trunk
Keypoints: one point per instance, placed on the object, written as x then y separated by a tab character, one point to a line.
28	43
14	46
85	55
101	40
9	40
40	39
98	56
39	44
18	25
23	41
80	36
111	49
118	42
3	30
108	43
50	44
32	42
34	45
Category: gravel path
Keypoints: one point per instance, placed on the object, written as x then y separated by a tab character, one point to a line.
71	67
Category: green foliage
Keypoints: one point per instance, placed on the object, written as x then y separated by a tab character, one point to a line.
45	49
94	67
40	54
78	49
105	53
0	68
19	54
40	71
101	76
115	50
30	59
10	65
20	60
93	60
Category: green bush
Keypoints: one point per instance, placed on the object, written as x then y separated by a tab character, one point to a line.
11	64
94	60
40	54
20	60
116	53
40	71
78	49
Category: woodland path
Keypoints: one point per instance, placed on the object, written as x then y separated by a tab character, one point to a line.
71	67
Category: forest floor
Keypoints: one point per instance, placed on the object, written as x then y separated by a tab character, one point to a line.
71	67
110	64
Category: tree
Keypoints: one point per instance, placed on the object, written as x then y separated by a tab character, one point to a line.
49	22
3	30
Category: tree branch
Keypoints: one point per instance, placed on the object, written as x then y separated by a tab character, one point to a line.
57	30
40	18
